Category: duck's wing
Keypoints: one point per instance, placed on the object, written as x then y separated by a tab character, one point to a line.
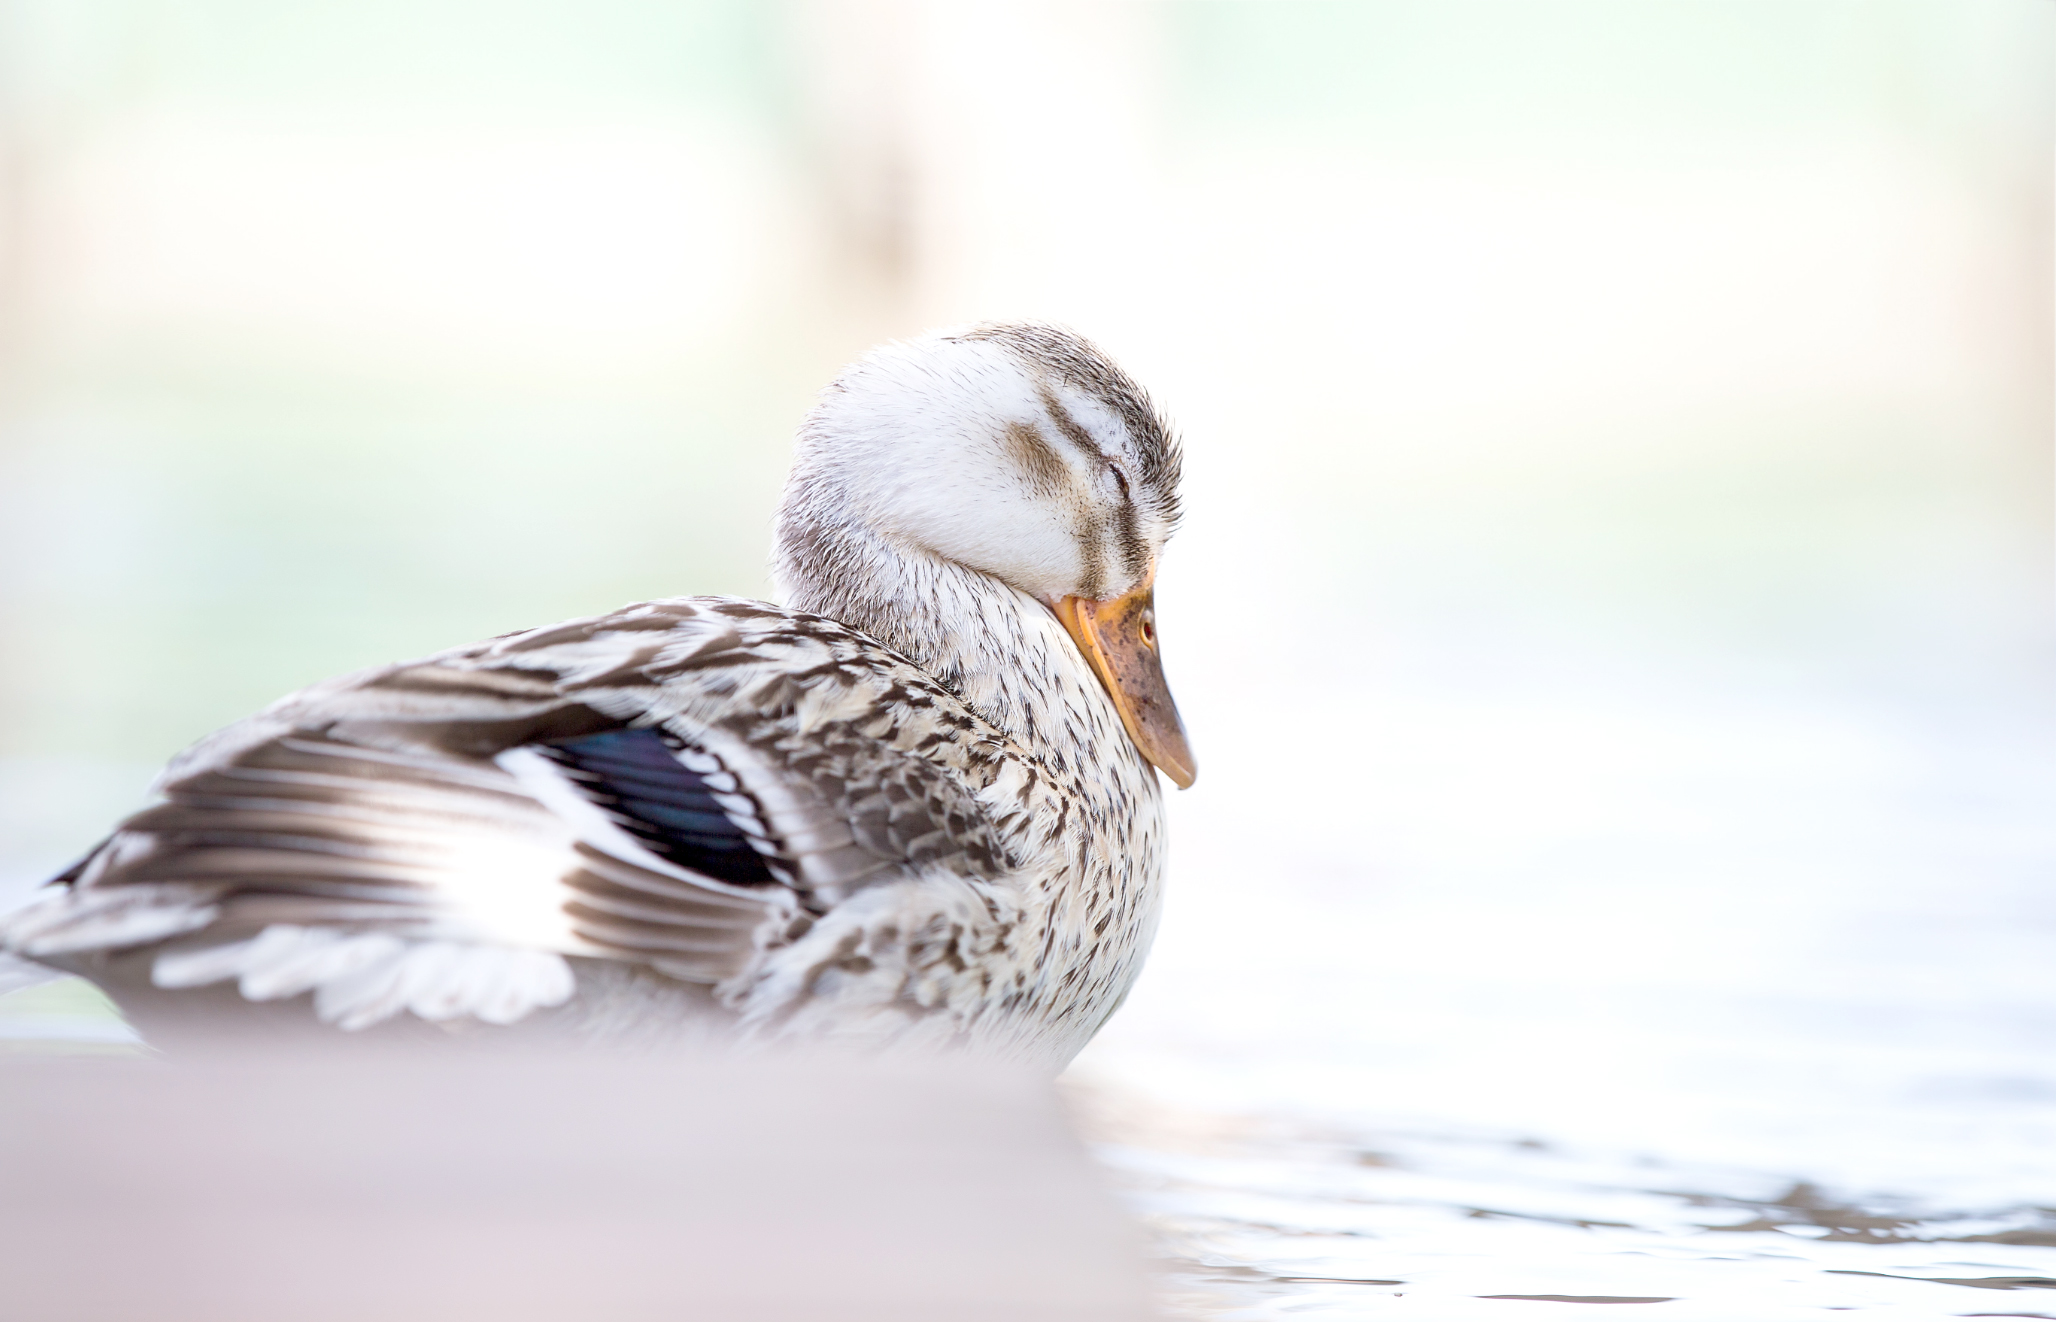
680	784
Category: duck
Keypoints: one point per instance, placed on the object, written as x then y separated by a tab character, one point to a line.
915	806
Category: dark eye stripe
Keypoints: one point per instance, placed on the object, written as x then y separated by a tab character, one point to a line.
1128	536
1068	425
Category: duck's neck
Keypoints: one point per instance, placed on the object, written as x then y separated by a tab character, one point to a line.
994	646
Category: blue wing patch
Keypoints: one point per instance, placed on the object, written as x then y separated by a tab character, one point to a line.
635	777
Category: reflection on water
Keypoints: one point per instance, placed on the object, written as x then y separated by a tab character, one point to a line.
1263	1218
1717	1011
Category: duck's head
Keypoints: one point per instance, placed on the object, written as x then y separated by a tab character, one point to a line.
1019	451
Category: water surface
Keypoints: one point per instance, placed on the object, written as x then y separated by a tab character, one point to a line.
1610	1008
1741	1010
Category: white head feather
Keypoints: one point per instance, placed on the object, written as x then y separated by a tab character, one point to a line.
1018	451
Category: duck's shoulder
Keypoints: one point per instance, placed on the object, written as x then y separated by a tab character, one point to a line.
816	695
728	660
822	723
714	654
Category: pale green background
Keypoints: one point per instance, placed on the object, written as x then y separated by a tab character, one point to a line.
1695	347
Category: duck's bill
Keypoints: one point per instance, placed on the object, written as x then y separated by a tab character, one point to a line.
1118	638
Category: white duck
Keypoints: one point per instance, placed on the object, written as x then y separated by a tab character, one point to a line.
915	805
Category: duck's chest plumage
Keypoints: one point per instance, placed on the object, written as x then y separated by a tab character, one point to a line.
1016	901
767	809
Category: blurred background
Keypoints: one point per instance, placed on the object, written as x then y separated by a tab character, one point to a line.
1615	615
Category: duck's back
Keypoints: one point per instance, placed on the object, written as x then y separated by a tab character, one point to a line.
741	812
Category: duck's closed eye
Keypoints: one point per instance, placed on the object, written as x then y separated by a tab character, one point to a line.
1120	479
